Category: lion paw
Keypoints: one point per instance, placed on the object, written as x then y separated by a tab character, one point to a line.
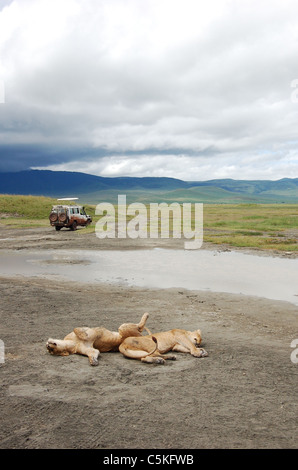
159	360
204	353
200	353
94	360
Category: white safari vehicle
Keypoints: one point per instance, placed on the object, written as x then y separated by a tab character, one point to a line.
71	216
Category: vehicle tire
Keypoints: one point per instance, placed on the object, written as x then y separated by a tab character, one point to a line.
53	216
74	226
62	217
58	228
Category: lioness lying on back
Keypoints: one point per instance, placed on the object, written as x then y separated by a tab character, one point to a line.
152	347
92	341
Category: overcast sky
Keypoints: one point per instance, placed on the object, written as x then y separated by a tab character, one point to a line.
191	89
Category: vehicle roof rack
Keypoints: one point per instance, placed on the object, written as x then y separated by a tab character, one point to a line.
68	199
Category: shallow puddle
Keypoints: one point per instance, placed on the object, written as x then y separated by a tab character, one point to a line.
231	272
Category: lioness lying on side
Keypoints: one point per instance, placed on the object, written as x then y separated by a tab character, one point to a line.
152	347
92	341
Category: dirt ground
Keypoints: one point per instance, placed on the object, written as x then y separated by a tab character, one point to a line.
244	395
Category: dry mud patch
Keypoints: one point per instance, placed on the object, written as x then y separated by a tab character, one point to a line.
242	396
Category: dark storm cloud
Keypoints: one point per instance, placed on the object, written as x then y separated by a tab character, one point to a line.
188	89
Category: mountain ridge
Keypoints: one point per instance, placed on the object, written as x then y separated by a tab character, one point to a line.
65	183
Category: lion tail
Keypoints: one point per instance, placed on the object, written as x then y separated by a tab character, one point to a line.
137	354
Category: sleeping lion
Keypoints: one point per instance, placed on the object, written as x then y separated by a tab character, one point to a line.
92	341
151	348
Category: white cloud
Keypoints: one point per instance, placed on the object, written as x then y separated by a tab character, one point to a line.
188	87
189	168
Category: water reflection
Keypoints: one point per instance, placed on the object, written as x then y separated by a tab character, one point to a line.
233	272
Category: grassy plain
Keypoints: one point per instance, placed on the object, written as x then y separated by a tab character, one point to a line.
263	226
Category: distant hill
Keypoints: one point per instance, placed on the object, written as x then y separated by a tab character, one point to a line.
93	189
53	183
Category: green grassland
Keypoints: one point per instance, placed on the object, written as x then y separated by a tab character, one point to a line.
263	226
